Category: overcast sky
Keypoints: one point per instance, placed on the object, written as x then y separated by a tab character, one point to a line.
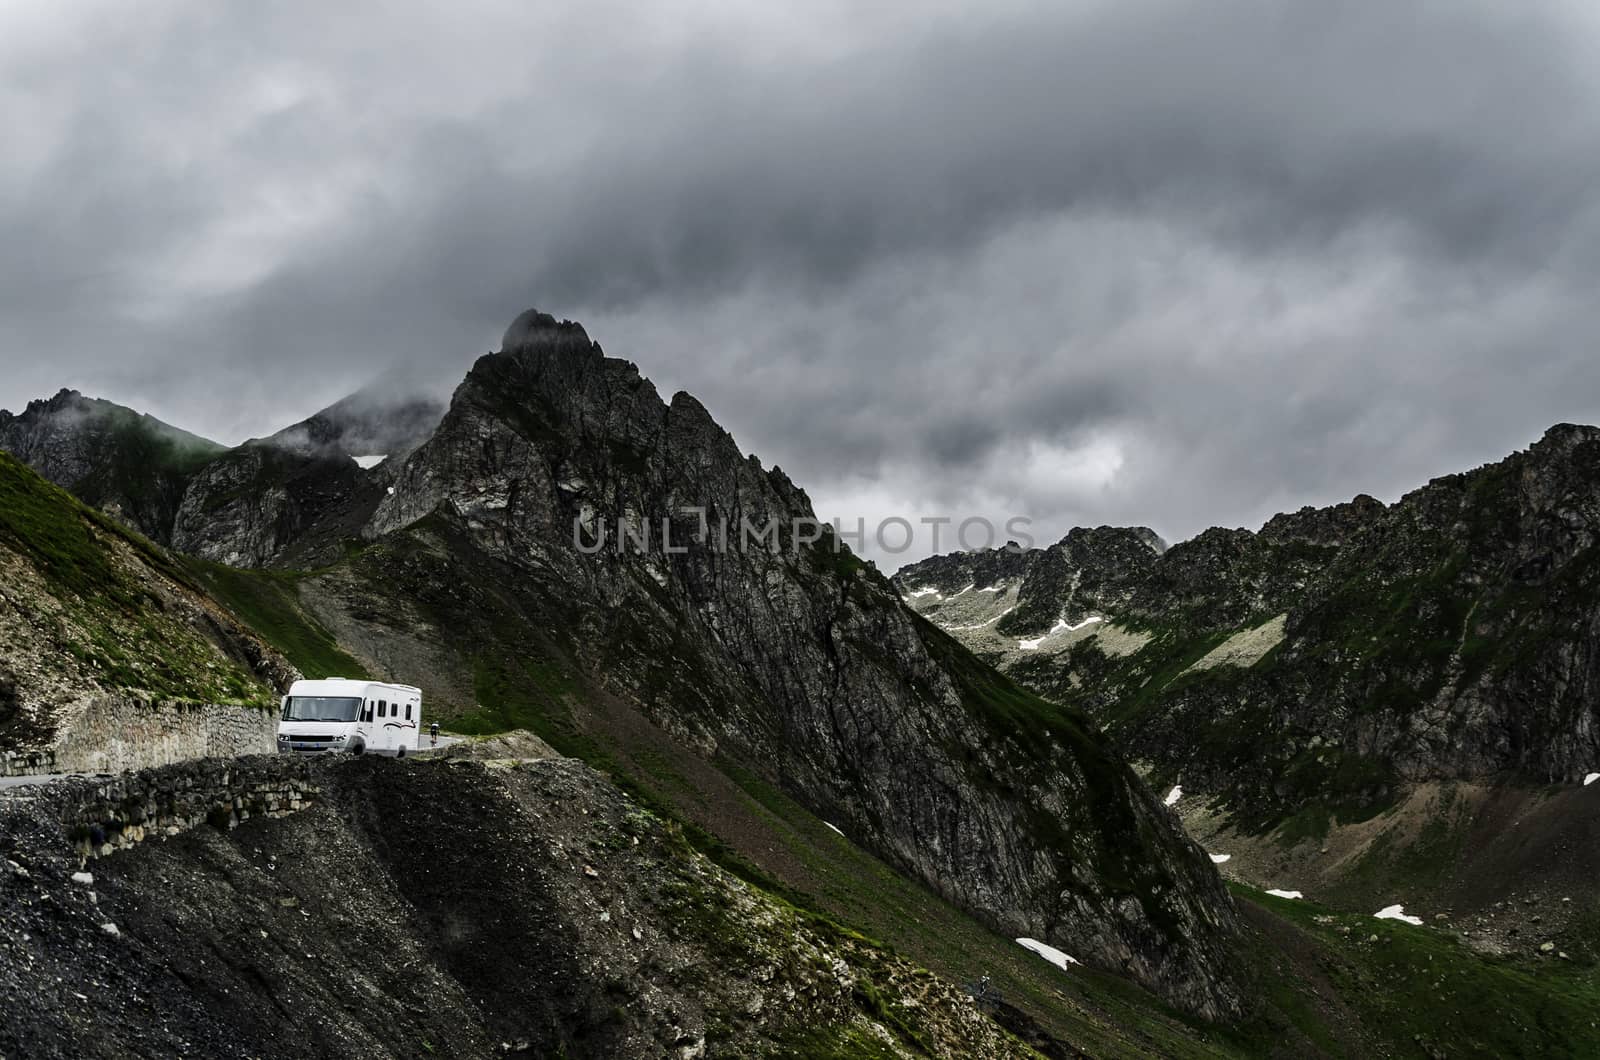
1127	262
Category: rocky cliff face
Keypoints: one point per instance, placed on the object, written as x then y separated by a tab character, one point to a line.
1341	654
800	659
132	466
294	499
259	504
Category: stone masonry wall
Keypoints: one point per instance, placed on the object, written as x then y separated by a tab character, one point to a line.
104	816
113	735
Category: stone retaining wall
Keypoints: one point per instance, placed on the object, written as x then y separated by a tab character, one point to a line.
114	735
104	816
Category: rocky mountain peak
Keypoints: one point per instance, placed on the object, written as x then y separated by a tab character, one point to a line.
800	660
1113	537
60	399
64	398
1566	436
539	330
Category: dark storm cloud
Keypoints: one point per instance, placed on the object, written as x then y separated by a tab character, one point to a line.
1157	263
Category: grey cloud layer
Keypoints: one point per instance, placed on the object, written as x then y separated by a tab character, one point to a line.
1157	263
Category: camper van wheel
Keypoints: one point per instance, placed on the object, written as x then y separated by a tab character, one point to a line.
400	753
359	749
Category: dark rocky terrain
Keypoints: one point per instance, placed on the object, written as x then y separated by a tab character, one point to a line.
463	909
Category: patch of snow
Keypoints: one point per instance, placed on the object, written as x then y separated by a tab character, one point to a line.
1049	953
1398	912
1590	779
833	826
992	589
1060	627
1174	795
369	462
958	592
922	592
85	878
1033	644
391	491
1218	859
1284	894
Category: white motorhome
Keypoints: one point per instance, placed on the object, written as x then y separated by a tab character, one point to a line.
358	717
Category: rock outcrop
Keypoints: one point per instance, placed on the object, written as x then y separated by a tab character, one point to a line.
259	503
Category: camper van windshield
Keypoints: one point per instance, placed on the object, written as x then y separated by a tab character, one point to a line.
321	708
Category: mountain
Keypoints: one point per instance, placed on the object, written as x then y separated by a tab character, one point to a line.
498	944
787	668
797	662
129	464
88	608
295	498
1332	665
292	499
381	420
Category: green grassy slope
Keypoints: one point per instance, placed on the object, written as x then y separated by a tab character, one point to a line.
118	619
1418	992
268	601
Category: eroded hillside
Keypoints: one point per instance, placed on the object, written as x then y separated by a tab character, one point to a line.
459	908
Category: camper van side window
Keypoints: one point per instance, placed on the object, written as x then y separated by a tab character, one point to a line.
383	709
408	711
367	715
